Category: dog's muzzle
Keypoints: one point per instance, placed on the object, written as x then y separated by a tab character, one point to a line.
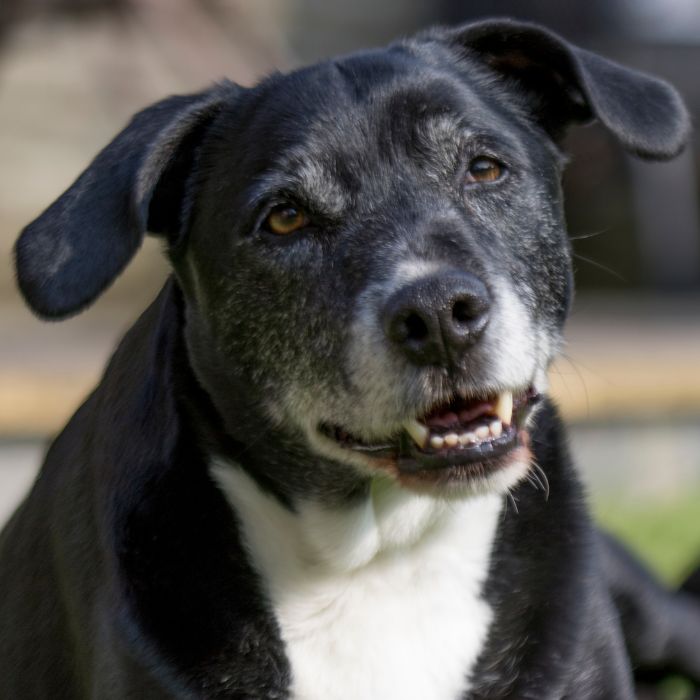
469	432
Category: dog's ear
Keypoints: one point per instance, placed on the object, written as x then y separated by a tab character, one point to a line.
566	84
68	255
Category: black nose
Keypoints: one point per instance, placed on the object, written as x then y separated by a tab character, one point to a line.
435	319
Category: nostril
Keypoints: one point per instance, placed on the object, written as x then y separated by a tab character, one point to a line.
469	312
413	330
415	327
463	312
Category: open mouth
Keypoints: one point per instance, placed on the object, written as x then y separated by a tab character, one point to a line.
463	438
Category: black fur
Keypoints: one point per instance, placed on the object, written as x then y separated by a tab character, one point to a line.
123	573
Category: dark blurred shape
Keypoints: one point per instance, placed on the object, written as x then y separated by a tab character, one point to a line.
634	224
664	200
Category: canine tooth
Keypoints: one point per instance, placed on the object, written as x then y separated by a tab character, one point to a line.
417	431
467	439
436	442
451	439
496	428
504	407
482	432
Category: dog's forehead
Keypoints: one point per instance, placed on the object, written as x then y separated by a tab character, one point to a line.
329	126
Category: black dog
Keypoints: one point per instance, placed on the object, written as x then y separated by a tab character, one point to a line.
294	477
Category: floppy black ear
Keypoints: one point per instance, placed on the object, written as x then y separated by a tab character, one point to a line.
77	247
567	84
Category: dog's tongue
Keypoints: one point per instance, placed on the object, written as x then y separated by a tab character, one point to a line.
450	416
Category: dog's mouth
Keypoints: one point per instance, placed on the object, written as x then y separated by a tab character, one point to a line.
462	439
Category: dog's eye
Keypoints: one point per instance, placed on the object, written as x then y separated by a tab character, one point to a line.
484	169
285	219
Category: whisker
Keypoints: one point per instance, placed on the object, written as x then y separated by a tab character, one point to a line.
586	236
535	482
541	473
600	266
513	501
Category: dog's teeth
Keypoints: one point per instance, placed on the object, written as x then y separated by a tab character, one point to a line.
417	431
436	442
482	432
496	428
467	439
504	407
451	439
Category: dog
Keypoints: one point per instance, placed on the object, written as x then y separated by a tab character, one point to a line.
323	463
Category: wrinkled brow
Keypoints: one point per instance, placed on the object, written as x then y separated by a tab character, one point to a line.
326	176
303	178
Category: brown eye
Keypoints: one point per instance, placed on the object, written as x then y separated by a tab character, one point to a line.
285	219
484	169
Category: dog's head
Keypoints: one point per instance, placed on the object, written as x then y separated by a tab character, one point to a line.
372	249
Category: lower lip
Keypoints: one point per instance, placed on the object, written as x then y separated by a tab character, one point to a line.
413	461
456	475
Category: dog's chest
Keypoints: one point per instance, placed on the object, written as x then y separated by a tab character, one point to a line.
404	627
380	601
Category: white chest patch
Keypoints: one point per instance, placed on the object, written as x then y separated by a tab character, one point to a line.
381	601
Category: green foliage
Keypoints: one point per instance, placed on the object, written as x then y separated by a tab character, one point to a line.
666	535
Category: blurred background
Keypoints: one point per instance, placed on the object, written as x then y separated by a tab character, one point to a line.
73	71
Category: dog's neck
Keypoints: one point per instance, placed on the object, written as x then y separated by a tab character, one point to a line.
314	536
